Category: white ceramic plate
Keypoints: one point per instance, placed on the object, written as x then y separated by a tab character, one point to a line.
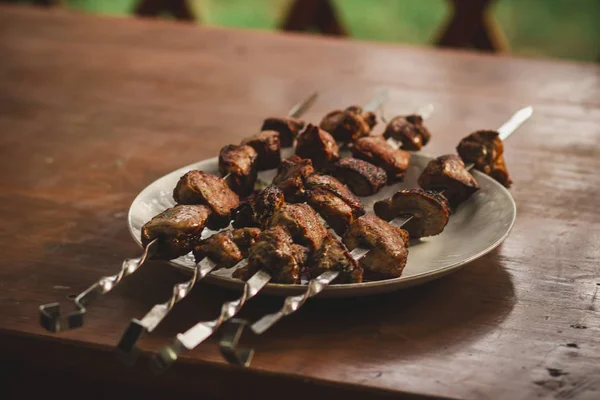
479	225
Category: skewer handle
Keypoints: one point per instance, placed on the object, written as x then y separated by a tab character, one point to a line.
50	314
126	348
202	330
300	108
515	122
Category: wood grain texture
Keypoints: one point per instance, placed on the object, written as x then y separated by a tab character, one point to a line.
94	109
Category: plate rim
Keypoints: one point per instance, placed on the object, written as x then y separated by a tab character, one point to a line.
390	284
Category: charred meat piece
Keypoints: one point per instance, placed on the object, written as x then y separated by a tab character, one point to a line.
178	229
486	151
287	127
268	146
317	145
291	176
275	252
448	173
333	201
240	162
387	245
258	209
363	178
303	224
227	248
348	125
429	211
333	256
377	151
408	130
199	187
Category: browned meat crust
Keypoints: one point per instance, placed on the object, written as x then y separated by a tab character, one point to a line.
429	211
317	145
290	178
199	187
287	127
275	252
448	173
388	246
178	228
363	178
333	201
257	210
240	162
486	151
303	224
377	151
408	130
227	248
348	125
268	146
333	256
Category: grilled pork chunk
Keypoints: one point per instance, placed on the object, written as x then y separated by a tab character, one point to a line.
409	131
178	229
199	187
348	125
333	256
363	178
448	173
377	151
290	178
268	146
333	201
228	247
317	145
429	211
275	252
257	210
486	151
388	246
287	127
303	224
240	162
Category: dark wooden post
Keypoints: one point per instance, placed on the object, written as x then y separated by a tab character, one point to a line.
320	14
153	8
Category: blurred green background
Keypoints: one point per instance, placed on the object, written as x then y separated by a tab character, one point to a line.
552	28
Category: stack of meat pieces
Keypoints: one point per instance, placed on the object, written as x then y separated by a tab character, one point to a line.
485	150
409	131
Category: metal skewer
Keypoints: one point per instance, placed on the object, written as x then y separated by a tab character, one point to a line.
50	314
242	356
202	330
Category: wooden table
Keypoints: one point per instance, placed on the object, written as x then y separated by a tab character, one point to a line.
93	109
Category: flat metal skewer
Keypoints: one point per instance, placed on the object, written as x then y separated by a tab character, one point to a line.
51	317
203	330
242	356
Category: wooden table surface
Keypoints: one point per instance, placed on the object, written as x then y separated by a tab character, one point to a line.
94	109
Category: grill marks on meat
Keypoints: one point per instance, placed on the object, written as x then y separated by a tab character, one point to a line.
448	173
199	187
348	125
227	248
408	130
486	151
275	252
333	201
388	246
178	229
363	178
257	210
333	256
377	151
303	224
317	145
429	210
268	146
287	127
240	162
291	177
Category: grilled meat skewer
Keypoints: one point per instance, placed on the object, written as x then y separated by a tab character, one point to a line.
362	177
288	128
377	151
485	150
318	146
238	167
